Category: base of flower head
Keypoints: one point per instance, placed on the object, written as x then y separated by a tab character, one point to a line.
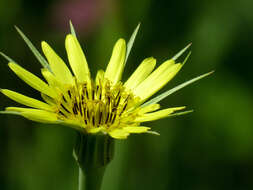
93	151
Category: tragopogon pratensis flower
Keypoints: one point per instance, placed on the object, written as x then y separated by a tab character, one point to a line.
103	105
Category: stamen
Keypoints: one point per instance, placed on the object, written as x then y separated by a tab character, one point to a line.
96	104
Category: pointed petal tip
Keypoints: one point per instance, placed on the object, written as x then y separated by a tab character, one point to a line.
181	52
186	58
15	26
211	72
153	133
72	29
6	57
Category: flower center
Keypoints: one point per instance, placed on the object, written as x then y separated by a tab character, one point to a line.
96	104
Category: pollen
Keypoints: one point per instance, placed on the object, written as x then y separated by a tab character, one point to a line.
96	105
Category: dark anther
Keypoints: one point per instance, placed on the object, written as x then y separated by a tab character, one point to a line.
114	117
64	108
69	93
74	110
88	115
61	113
86	92
80	108
93	120
93	94
118	101
100	118
107	117
64	99
124	108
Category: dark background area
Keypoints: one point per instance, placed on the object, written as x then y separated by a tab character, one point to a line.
211	148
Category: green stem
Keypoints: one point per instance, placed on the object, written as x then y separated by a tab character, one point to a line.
92	180
92	153
81	180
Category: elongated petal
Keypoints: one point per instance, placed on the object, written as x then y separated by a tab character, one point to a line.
35	114
115	67
77	59
149	108
157	115
131	41
141	73
18	109
99	76
119	134
72	29
175	89
156	80
40	116
25	100
6	57
50	78
31	79
40	58
57	65
138	129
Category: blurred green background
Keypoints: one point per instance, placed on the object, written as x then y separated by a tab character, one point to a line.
211	148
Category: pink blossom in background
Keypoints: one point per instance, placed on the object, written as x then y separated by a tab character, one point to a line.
84	14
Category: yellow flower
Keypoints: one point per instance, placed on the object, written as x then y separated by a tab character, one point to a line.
104	105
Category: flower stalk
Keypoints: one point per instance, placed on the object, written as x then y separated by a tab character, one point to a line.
92	153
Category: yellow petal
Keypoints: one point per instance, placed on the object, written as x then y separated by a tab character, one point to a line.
99	76
157	115
50	78
149	108
156	80
141	73
31	79
25	100
77	59
57	65
40	116
138	129
115	67
95	130
119	134
17	109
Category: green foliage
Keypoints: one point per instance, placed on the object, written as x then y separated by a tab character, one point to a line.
211	148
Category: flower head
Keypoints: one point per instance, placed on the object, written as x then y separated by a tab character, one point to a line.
101	105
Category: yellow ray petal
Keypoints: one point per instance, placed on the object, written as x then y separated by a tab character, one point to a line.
40	116
25	100
72	123
157	115
115	67
31	79
51	78
57	65
138	129
141	73
35	114
77	59
149	108
95	130
119	134
156	80
99	76
18	109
